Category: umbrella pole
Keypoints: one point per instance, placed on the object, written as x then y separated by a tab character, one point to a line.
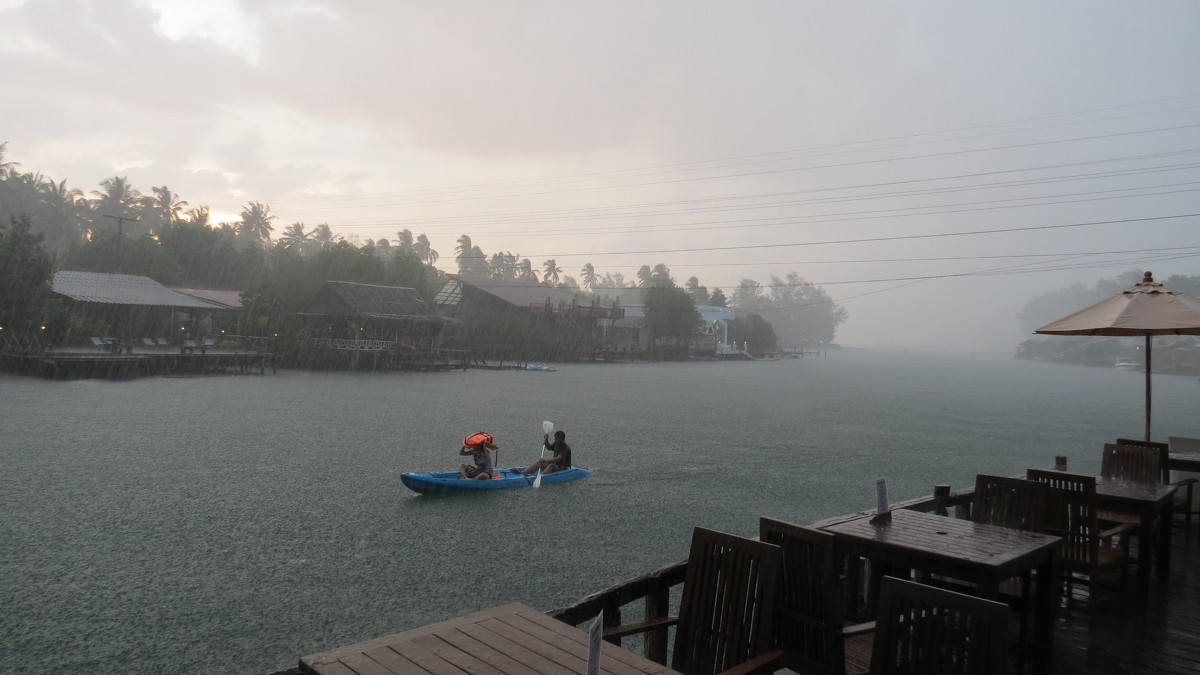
1148	369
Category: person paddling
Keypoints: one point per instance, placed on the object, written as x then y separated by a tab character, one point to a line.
478	445
559	461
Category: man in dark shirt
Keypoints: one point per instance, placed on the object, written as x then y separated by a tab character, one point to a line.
559	461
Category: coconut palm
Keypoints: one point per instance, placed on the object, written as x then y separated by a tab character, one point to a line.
644	276
404	240
424	250
323	235
198	216
165	206
463	252
6	167
294	236
551	271
525	270
589	276
118	198
256	222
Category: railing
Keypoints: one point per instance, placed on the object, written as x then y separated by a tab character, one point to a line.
655	589
339	343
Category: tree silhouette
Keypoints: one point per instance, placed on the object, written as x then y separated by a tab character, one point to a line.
424	250
551	271
256	222
588	274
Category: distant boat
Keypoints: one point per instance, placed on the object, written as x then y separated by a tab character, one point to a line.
534	366
1127	364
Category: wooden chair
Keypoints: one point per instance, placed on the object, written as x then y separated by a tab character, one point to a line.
923	629
809	618
1183	495
1071	515
727	608
1009	502
1129	462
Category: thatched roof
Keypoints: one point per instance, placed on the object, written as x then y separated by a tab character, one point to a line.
345	298
123	289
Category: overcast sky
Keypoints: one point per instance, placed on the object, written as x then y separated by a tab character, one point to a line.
932	165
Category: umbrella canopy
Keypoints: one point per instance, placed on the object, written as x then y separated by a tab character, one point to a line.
1147	308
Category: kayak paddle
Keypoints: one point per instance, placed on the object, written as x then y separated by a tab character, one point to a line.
547	427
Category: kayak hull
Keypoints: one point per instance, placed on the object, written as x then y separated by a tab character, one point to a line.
445	482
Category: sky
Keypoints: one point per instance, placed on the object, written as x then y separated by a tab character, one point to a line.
931	165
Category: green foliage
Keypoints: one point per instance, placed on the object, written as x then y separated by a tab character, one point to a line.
801	313
25	274
755	331
670	314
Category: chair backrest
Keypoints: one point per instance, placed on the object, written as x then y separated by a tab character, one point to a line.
1010	502
923	629
1164	454
1071	513
810	610
727	610
1129	462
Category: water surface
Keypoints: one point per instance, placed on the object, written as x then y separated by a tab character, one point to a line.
234	524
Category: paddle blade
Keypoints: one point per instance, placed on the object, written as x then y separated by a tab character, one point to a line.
537	482
547	427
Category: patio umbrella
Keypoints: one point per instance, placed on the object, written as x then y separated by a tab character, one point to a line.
1144	309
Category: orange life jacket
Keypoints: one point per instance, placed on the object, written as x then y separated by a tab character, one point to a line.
479	437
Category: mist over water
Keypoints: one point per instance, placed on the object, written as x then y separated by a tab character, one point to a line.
234	524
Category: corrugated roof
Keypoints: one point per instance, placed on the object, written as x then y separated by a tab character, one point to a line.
122	289
230	299
519	293
346	298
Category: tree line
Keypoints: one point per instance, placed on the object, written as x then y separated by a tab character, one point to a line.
118	229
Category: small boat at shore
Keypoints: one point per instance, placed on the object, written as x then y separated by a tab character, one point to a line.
535	366
442	482
1127	364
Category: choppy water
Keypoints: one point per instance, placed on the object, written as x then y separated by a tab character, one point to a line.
234	524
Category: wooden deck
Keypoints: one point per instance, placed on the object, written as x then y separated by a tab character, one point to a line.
1125	636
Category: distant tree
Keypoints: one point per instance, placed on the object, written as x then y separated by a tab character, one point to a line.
748	295
404	240
294	236
117	197
198	216
699	293
525	271
717	298
462	254
588	274
550	271
671	315
25	273
424	250
163	208
324	236
256	223
755	332
643	276
504	265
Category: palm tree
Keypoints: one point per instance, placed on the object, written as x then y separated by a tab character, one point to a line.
424	250
294	236
644	276
463	254
589	276
525	270
198	216
404	240
6	167
323	235
550	271
165	206
118	198
256	222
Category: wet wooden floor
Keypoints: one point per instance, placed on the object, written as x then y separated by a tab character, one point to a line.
1161	635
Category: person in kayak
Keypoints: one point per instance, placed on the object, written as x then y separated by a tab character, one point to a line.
561	459
478	445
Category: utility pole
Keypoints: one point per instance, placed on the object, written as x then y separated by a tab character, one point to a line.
120	233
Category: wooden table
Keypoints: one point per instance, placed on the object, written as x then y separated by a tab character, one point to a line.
960	549
1184	461
1151	503
510	639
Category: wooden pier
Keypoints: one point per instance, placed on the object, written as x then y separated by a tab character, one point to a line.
66	365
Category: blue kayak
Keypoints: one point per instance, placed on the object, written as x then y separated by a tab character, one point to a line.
430	482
